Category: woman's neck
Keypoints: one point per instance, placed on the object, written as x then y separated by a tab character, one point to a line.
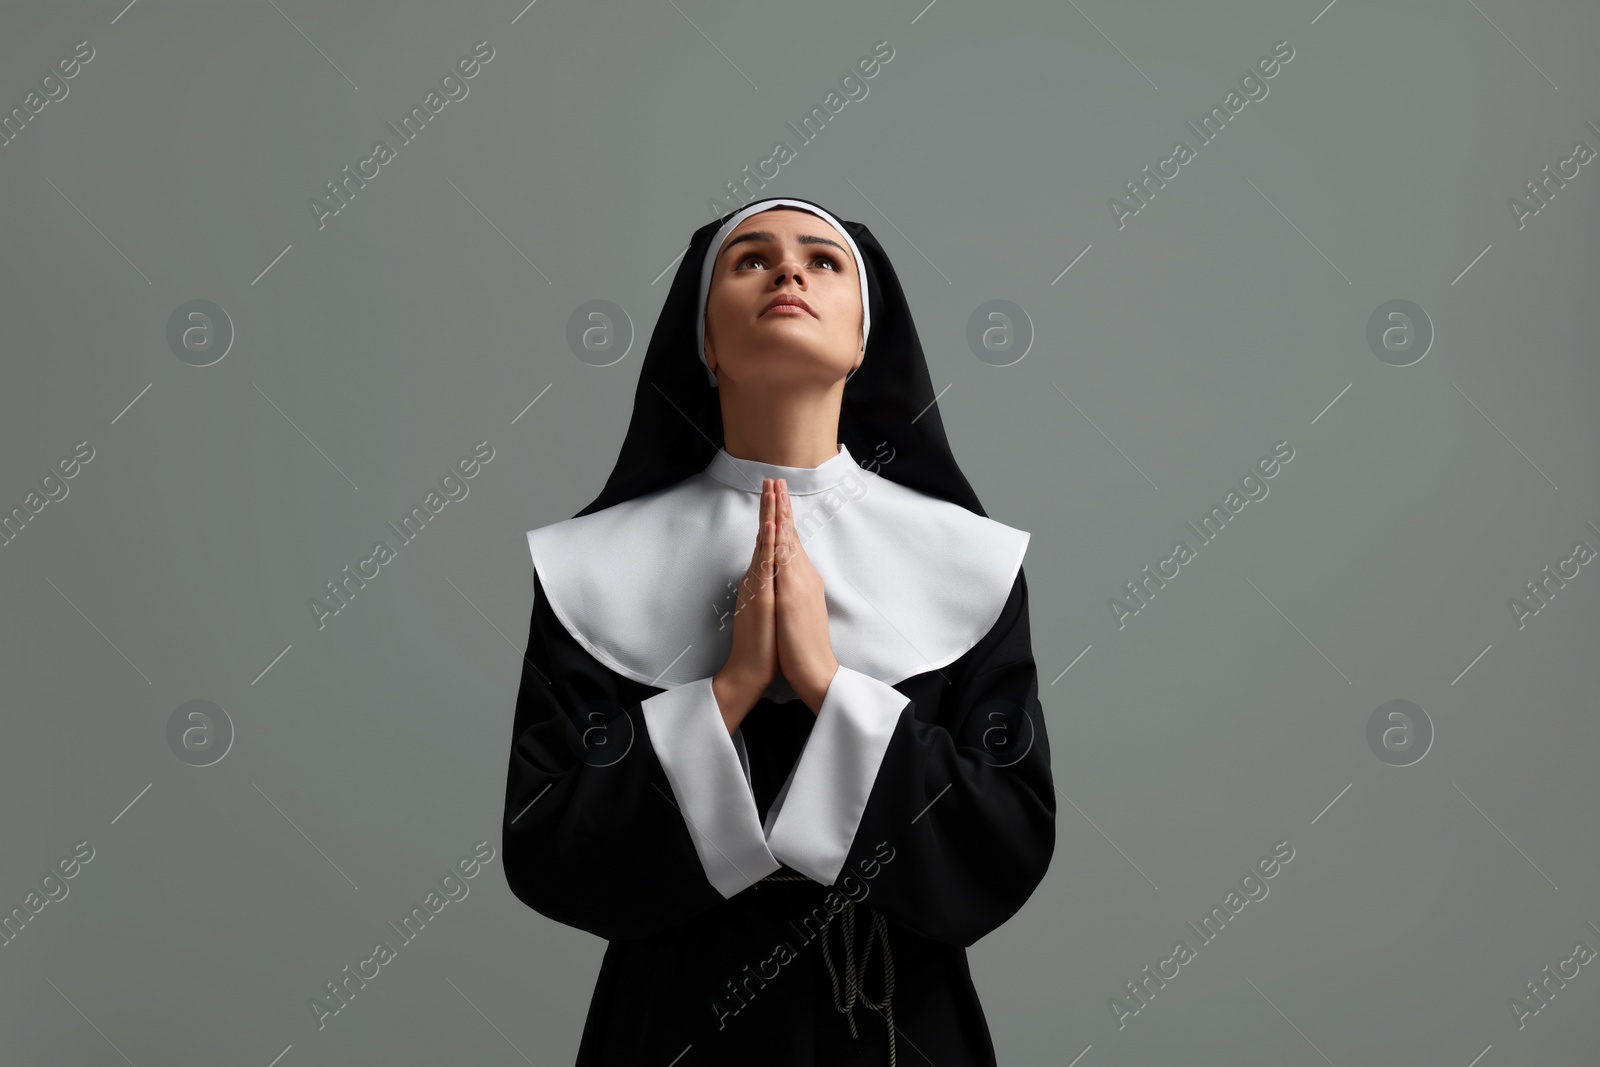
785	430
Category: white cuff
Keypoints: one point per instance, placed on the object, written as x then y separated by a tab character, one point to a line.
705	771
813	820
744	757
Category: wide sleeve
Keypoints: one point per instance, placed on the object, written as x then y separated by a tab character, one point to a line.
627	808
946	813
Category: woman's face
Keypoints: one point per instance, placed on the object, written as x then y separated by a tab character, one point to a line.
790	253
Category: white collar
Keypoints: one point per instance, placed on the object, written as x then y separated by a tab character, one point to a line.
746	474
648	586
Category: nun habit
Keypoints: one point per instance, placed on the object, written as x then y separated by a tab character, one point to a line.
803	890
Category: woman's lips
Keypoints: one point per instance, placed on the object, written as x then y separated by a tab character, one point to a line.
794	302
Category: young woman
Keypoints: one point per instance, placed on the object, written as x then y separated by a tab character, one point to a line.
771	694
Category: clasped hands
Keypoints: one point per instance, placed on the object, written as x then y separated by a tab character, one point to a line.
781	621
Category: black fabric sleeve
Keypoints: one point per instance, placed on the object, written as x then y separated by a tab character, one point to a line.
592	834
959	828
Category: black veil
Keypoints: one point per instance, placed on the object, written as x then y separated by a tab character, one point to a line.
676	427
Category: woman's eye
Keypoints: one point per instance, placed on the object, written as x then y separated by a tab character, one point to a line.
819	256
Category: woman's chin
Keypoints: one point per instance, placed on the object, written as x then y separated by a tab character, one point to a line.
790	369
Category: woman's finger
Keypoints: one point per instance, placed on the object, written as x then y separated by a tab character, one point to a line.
761	555
769	523
755	553
766	535
758	553
790	535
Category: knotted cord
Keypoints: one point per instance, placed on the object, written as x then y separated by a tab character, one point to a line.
854	976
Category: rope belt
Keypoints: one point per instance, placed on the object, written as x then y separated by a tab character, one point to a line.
854	976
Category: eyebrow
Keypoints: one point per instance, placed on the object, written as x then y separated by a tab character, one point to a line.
805	239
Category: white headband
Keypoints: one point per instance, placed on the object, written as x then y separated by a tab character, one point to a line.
716	248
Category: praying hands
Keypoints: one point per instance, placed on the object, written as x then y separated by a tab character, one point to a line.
780	624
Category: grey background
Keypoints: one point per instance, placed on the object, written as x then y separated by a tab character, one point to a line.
1228	315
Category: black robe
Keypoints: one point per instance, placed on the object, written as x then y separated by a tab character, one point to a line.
958	830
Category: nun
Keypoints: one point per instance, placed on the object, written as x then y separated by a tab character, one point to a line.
778	737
